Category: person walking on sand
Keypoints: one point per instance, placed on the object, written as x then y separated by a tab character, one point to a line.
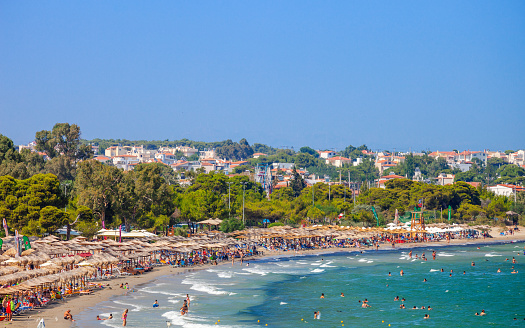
124	317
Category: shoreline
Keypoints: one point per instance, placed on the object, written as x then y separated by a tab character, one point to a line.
53	313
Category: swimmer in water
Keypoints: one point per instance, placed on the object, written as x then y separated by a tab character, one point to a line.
402	306
396	298
513	260
442	270
389	274
342	294
473	264
434	255
414	308
425	280
401	272
322	295
426	316
410	254
482	312
403	299
514	271
499	270
429	308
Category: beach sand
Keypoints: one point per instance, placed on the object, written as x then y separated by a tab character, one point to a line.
53	313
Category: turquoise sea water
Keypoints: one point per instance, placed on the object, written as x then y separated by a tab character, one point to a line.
285	291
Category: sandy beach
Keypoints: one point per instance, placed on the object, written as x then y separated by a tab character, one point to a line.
53	313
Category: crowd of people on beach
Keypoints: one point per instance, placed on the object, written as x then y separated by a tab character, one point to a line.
141	255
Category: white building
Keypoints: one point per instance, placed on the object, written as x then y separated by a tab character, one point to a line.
505	189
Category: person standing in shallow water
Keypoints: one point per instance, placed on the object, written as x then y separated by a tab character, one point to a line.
125	318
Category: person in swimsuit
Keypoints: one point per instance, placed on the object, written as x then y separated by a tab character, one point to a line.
68	316
124	317
342	294
322	295
188	299
426	316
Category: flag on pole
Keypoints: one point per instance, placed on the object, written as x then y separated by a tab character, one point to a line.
17	243
5	228
120	233
449	211
25	243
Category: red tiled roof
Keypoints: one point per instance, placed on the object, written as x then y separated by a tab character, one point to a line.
339	158
392	176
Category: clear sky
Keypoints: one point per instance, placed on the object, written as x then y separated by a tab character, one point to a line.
404	74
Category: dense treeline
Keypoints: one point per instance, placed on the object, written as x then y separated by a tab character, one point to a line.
72	190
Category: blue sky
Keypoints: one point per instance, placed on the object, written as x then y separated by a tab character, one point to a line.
403	74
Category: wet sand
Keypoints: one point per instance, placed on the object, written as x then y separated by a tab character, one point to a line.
53	313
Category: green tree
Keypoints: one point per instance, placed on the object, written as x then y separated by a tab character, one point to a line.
308	150
297	183
52	218
96	185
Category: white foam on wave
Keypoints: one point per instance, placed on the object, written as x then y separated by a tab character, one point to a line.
492	255
302	277
283	265
327	265
282	303
135	307
149	291
317	270
256	270
204	287
189	320
112	323
369	261
316	263
362	260
225	274
445	254
434	270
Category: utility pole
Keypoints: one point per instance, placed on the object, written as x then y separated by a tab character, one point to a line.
243	192
229	205
329	190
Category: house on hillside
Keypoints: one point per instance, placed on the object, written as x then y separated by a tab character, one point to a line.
445	179
338	161
125	162
469	156
326	153
257	155
380	183
505	189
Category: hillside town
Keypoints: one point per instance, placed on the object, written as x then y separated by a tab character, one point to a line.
207	160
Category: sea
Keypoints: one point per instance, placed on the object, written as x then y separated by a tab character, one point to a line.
285	291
